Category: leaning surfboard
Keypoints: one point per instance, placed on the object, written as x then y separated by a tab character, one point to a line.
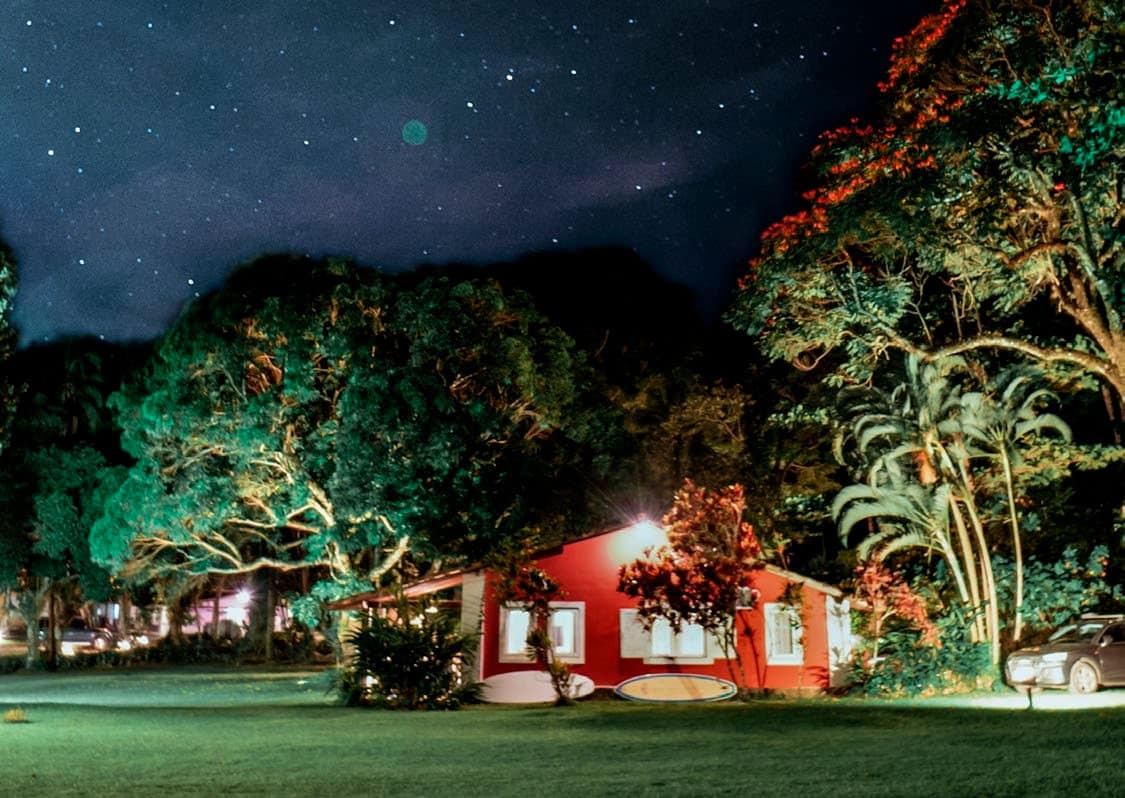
675	688
530	687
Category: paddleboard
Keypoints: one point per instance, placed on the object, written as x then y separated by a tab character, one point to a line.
530	687
675	688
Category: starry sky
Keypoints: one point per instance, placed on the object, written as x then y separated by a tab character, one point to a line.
151	147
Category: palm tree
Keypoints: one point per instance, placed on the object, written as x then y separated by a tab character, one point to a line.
909	515
995	428
919	485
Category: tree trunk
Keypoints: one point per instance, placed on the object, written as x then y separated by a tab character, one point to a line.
176	621
125	624
216	609
1017	545
28	606
978	629
1111	410
52	627
267	617
988	583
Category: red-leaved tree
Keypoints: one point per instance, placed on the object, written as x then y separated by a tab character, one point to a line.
888	596
700	576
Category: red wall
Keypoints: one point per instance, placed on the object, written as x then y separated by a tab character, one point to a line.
587	571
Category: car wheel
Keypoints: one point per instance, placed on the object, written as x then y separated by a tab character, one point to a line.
1083	678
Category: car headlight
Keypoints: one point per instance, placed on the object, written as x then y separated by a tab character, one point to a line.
1054	657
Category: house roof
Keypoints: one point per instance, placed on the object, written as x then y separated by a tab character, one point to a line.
423	587
448	579
835	592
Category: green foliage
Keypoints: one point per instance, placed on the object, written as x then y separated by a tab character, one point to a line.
409	659
73	486
949	472
906	667
329	419
988	191
1057	591
474	425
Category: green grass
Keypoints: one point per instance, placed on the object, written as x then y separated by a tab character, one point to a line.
206	732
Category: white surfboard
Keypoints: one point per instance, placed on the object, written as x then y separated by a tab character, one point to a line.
530	687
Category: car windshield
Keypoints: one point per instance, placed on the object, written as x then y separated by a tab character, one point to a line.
1077	633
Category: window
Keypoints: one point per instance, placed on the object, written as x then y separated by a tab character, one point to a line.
1114	634
690	642
566	627
783	635
693	645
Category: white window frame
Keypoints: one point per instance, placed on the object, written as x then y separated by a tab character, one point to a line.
773	613
676	639
712	649
578	657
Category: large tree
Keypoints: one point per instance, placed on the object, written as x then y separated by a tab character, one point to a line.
327	420
982	211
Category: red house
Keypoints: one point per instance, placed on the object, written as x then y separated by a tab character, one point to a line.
799	646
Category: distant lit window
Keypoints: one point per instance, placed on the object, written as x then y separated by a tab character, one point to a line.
566	627
783	635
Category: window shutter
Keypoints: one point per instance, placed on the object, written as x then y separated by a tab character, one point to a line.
636	643
783	635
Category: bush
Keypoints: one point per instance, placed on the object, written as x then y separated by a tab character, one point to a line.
1054	592
908	667
409	659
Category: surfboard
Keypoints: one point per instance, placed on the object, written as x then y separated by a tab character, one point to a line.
530	687
675	688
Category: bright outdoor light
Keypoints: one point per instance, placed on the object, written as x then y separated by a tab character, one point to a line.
642	534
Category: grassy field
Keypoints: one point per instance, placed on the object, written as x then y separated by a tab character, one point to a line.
207	732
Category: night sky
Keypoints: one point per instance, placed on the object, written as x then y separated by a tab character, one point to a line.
150	147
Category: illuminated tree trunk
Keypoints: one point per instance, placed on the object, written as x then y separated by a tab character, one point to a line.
268	612
216	609
1017	545
52	626
28	606
973	597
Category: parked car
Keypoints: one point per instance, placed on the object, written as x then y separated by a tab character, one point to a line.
78	634
1082	656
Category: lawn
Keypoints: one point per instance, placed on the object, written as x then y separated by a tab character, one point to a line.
209	732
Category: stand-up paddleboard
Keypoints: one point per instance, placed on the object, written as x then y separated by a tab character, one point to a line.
675	688
530	687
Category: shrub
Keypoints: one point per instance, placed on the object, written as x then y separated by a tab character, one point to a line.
16	715
908	666
409	659
1055	592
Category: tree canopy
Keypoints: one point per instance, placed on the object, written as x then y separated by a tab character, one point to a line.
982	211
323	418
